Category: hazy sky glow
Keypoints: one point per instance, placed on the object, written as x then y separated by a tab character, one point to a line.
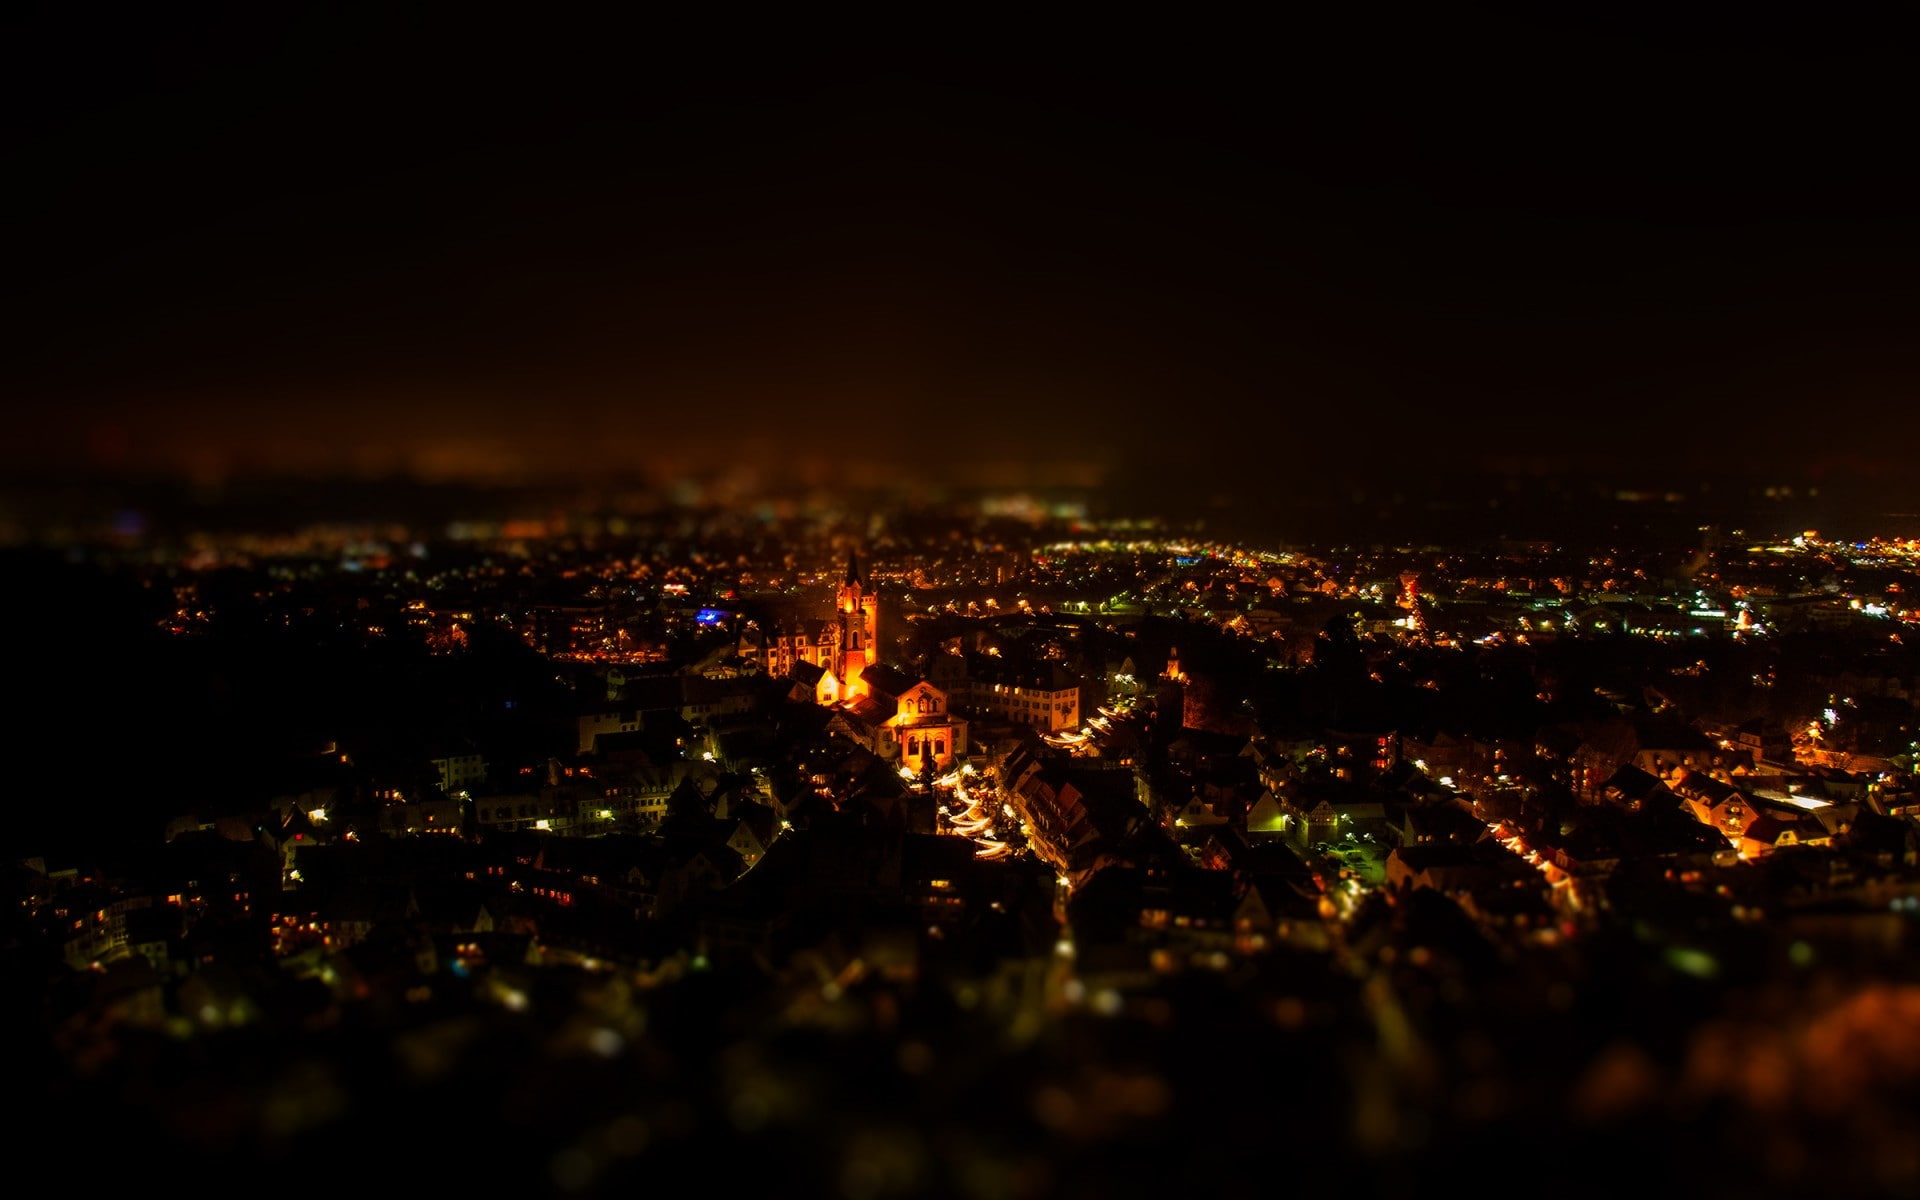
296	243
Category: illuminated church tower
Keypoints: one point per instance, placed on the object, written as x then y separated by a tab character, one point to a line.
859	619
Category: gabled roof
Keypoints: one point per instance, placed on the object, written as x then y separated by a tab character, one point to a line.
757	817
724	859
1699	785
808	629
864	714
1046	676
1283	899
1769	826
1632	782
1445	820
888	681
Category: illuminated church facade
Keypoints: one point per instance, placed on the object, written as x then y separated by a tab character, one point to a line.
903	718
899	717
841	647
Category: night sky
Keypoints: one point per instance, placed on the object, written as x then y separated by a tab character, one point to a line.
388	243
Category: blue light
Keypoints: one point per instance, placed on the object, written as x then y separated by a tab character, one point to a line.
712	616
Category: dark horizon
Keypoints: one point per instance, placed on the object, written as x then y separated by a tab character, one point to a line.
1570	508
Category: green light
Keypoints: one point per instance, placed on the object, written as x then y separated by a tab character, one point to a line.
1697	963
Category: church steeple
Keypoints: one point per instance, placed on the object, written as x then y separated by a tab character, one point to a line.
859	627
1173	670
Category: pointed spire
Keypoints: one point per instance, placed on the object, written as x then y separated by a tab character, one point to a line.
853	568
